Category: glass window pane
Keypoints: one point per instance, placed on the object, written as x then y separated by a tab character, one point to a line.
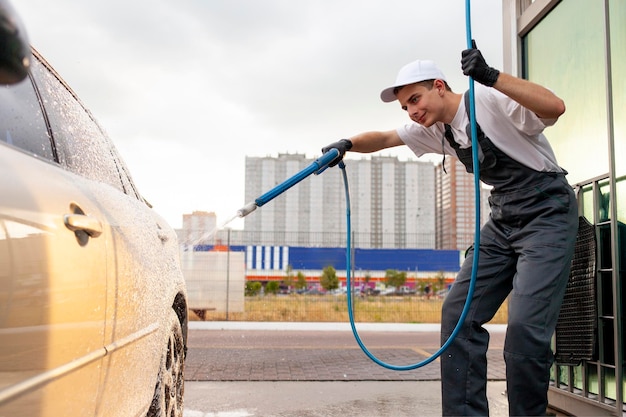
621	197
617	10
609	382
578	377
617	13
565	52
592	379
21	120
81	145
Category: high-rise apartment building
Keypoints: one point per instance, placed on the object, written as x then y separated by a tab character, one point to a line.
392	203
456	214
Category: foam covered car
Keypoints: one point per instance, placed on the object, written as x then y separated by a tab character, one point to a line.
93	310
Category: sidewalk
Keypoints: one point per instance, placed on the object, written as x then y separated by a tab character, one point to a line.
326	326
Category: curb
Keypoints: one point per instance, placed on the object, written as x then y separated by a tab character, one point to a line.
323	326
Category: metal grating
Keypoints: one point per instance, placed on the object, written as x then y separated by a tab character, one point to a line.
577	324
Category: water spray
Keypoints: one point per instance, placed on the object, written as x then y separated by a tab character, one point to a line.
319	165
316	167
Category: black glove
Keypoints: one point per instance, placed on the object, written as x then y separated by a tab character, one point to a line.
342	146
474	65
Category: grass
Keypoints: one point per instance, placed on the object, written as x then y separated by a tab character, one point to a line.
333	308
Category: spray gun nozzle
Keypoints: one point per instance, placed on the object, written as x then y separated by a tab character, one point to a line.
247	209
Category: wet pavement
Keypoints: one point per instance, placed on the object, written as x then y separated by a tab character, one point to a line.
317	369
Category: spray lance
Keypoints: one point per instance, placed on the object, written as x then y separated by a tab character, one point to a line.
319	165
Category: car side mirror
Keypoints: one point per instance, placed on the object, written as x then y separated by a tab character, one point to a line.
15	55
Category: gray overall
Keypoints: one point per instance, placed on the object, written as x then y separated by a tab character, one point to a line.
525	254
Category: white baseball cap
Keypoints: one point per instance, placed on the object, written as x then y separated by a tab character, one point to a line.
412	73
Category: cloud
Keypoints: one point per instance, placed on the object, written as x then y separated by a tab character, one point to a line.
187	89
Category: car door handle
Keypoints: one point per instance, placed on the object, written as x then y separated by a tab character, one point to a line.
162	234
87	224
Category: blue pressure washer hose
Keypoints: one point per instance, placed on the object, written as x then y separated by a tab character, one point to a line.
320	164
470	292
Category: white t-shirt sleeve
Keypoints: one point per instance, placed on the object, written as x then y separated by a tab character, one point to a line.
422	140
523	119
516	130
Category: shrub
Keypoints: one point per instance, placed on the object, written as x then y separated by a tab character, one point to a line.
253	288
272	287
301	281
329	280
395	278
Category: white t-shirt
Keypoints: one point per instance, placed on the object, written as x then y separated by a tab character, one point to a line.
514	129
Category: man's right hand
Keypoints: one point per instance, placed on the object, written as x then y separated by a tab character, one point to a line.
342	146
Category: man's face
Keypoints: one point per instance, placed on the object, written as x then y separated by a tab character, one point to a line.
424	105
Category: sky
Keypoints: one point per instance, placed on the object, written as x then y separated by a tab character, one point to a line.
187	89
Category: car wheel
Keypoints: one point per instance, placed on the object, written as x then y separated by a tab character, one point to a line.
170	385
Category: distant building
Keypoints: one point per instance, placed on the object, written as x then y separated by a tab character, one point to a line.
392	203
456	213
199	227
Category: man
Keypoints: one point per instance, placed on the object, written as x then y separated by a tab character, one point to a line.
526	246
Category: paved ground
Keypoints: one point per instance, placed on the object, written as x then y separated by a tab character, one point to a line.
317	369
318	352
325	399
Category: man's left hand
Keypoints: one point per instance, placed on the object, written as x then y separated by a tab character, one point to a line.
474	65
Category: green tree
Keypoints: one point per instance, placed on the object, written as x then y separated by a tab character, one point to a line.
395	278
441	280
301	281
272	287
253	288
289	281
329	280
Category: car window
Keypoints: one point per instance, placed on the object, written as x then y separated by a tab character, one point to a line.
81	145
129	185
21	120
